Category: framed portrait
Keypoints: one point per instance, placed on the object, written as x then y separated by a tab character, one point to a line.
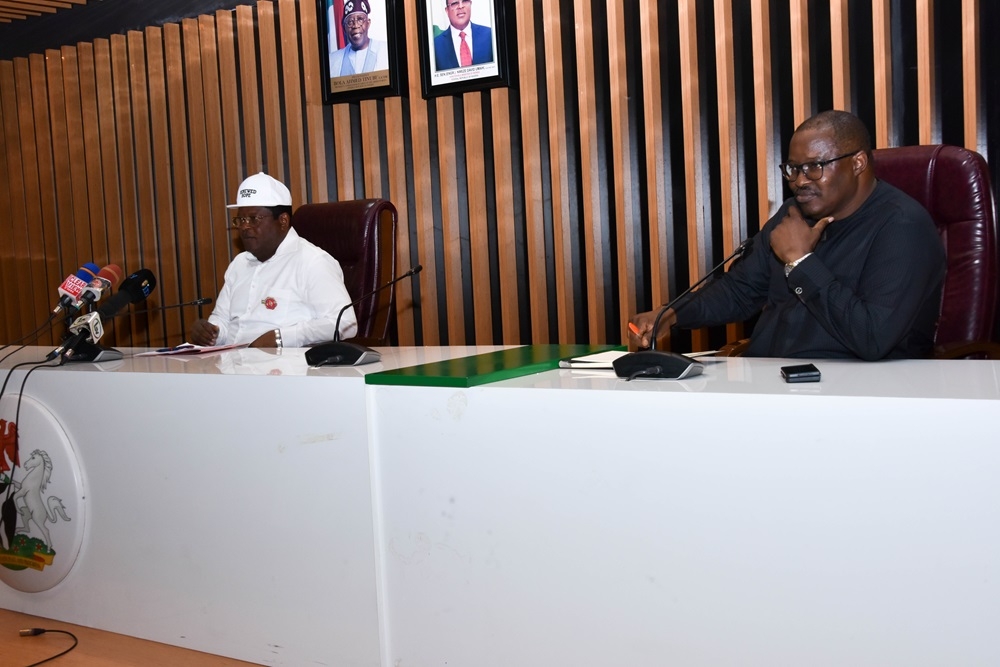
464	46
360	49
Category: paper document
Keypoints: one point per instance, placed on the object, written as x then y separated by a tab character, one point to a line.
189	348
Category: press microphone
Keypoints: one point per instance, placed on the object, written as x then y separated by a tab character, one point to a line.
653	363
136	288
340	353
72	287
106	279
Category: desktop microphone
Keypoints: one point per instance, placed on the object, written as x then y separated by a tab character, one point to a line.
340	353
106	279
660	364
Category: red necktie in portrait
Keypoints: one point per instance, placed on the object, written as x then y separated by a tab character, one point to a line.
464	54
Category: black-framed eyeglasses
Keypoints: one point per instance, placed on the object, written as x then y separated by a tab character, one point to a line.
812	170
355	21
249	221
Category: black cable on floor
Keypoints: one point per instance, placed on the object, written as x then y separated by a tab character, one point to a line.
32	632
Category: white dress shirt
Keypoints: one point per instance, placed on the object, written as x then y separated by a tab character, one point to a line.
300	290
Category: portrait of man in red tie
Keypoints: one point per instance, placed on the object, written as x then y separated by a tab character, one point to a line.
463	43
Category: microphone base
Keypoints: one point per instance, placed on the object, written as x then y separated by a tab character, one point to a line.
87	351
656	364
340	353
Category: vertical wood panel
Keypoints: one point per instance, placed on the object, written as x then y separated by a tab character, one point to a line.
76	172
148	324
249	93
929	129
801	83
507	248
211	199
162	124
270	90
315	143
625	214
767	151
451	260
205	149
840	53
92	151
974	139
593	187
396	164
69	257
294	135
694	163
882	65
562	225
46	182
10	325
657	201
20	276
232	99
370	149
479	239
534	213
126	154
33	279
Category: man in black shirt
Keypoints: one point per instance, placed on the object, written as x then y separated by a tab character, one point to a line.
849	267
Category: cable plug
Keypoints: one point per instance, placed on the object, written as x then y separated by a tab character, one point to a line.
31	632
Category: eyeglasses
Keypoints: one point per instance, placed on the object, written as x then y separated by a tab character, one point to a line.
355	21
251	222
812	170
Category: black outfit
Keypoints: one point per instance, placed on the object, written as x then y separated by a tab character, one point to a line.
870	290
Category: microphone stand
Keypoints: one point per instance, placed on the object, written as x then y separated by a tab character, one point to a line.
653	363
342	353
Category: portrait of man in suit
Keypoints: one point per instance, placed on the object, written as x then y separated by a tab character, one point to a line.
463	43
361	54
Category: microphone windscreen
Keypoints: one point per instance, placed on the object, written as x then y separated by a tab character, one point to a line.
88	272
139	285
112	273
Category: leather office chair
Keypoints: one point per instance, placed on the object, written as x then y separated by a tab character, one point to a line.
361	235
953	184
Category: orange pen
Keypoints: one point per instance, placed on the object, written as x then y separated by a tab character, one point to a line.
634	329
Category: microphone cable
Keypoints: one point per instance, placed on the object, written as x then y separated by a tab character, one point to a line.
34	334
34	632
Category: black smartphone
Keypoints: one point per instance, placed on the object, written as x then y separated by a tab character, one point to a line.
800	373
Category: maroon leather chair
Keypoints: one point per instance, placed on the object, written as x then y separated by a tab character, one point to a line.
953	184
361	235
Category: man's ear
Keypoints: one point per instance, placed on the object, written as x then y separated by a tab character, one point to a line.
285	221
861	161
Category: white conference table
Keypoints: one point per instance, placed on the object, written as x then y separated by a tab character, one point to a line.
559	518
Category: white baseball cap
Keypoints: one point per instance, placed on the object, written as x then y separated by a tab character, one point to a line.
262	190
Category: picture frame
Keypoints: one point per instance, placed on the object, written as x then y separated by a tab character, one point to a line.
382	59
488	42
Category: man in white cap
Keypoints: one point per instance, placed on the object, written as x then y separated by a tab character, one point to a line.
362	54
282	291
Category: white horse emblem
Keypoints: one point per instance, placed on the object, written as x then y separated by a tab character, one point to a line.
28	500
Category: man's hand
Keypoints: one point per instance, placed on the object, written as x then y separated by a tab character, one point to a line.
640	326
793	238
266	339
204	333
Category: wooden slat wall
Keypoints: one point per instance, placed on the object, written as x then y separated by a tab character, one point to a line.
638	147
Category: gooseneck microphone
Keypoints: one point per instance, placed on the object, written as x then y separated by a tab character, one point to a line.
653	363
200	301
340	353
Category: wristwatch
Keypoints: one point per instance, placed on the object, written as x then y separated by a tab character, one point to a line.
277	336
792	265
